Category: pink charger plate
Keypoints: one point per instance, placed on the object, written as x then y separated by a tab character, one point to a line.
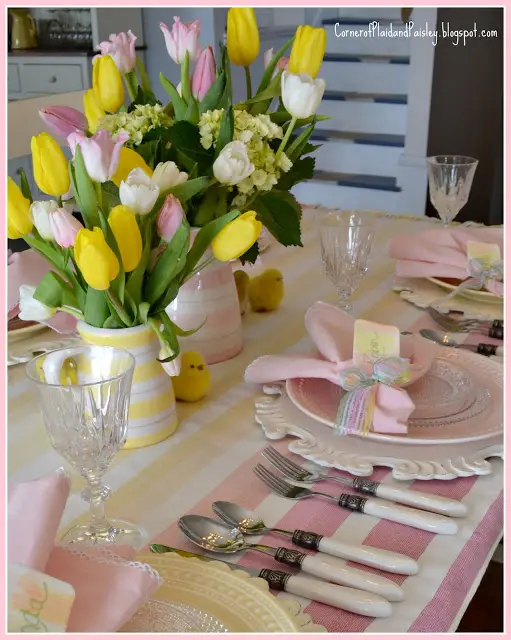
479	417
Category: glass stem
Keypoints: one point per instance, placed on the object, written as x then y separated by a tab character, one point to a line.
96	493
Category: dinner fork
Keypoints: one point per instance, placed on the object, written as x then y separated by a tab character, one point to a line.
429	502
373	507
495	328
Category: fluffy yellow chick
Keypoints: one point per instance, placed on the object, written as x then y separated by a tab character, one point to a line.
242	279
266	291
194	380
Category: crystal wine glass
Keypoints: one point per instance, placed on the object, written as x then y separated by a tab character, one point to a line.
450	180
84	393
346	238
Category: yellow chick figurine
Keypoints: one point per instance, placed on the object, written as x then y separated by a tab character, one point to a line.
242	279
266	291
194	380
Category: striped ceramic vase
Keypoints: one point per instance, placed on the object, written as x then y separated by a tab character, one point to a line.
210	296
153	415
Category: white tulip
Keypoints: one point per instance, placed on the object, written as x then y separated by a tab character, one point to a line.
167	175
30	308
40	214
233	164
301	94
138	192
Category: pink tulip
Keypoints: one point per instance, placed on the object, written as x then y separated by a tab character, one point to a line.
121	47
281	64
64	227
183	37
170	218
63	121
204	73
100	153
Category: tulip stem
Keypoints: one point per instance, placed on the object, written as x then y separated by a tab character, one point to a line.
130	80
71	311
287	135
185	78
121	312
248	81
99	193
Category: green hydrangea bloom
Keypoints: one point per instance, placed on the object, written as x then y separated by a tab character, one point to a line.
138	122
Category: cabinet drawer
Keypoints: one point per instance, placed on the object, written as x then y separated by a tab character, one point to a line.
49	78
13	79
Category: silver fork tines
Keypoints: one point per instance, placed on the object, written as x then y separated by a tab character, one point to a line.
280	486
286	466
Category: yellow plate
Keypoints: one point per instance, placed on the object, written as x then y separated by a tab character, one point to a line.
483	296
243	604
25	332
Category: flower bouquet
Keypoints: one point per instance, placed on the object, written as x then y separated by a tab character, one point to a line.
159	185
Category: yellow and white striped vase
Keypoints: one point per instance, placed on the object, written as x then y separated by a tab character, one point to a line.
153	414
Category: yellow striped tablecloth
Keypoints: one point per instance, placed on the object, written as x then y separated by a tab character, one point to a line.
218	436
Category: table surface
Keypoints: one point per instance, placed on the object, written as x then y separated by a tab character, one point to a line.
212	454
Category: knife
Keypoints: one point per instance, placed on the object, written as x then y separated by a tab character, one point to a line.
353	600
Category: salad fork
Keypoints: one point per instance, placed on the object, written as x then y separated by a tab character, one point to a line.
495	328
429	502
373	507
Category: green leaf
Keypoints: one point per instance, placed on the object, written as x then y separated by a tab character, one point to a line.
182	333
310	148
132	307
171	294
282	116
214	94
85	191
186	137
271	91
203	240
226	99
144	78
170	336
118	284
24	186
280	213
226	130
170	264
250	256
190	188
136	278
213	205
51	290
143	97
268	72
302	169
192	111
294	151
177	101
96	308
113	322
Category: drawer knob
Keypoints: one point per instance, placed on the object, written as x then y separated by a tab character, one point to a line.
53	79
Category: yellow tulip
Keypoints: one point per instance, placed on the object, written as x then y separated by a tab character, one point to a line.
129	160
308	50
107	84
51	172
124	226
236	237
95	259
19	222
242	36
92	109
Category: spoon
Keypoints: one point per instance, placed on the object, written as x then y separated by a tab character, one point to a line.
216	536
249	523
445	341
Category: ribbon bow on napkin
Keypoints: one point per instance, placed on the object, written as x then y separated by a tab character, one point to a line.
332	331
362	408
109	586
442	253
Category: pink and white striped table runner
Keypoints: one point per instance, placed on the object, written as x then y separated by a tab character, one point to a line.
218	443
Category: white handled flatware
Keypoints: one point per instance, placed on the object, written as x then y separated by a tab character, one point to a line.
371	506
250	523
426	501
353	600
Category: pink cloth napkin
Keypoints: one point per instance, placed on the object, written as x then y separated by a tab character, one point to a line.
109	586
332	332
442	253
28	267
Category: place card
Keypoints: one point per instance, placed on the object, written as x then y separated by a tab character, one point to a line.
37	603
486	254
373	341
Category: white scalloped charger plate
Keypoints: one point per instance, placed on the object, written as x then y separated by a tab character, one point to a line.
241	603
483	419
25	332
482	296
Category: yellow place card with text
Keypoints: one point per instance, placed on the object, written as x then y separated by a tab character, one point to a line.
37	603
373	341
486	254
